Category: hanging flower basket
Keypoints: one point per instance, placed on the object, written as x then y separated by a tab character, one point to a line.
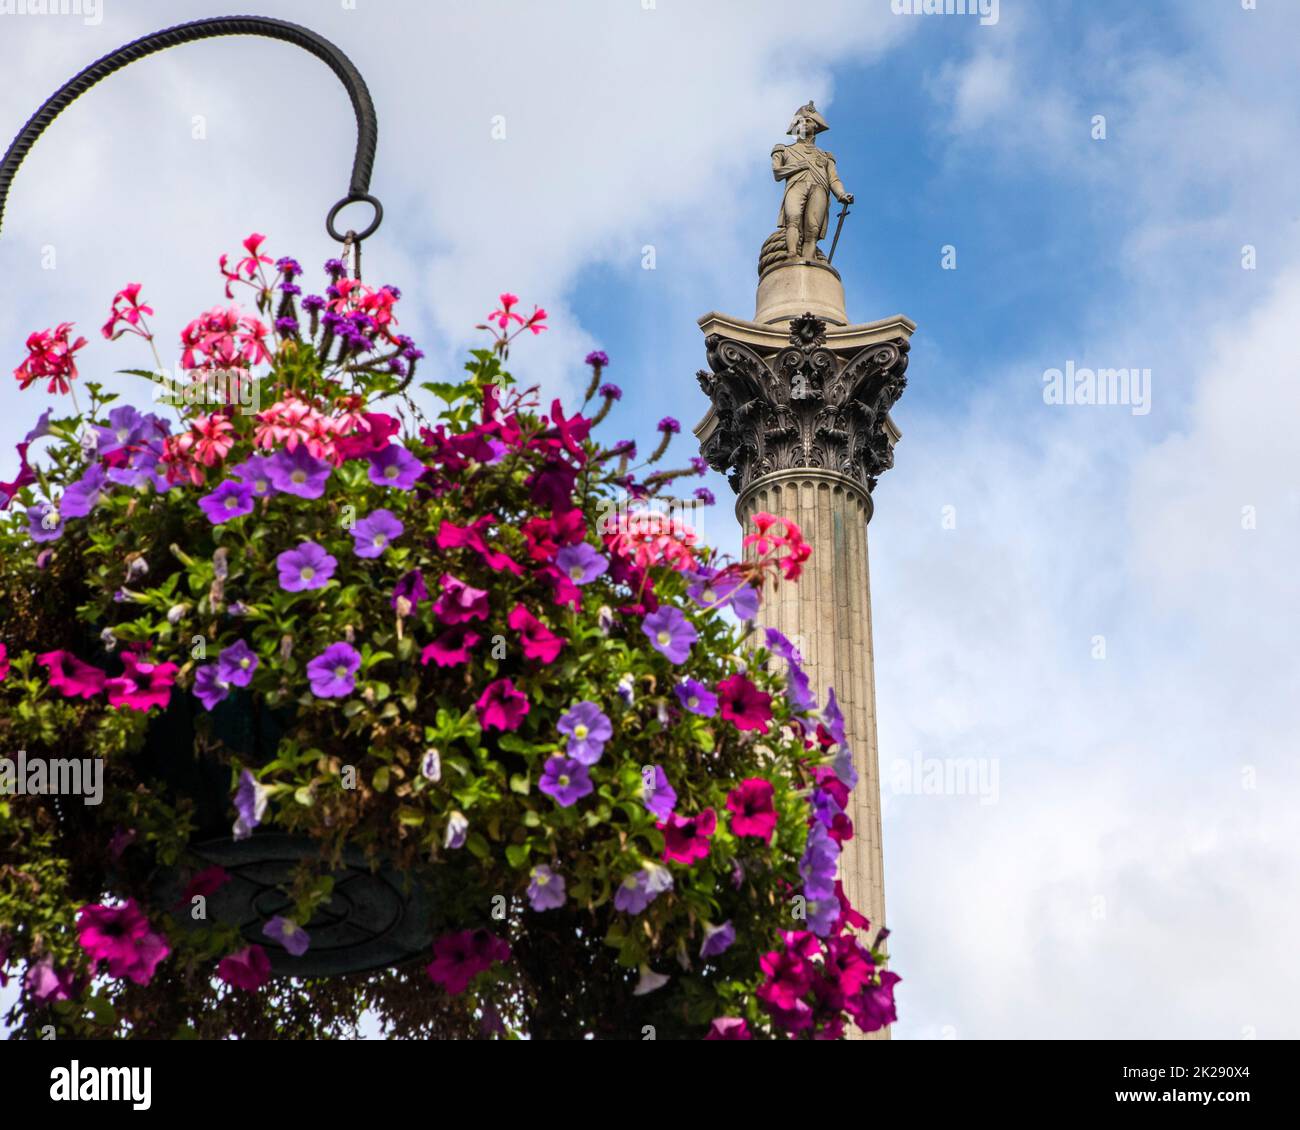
447	719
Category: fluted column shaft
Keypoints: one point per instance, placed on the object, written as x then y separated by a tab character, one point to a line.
827	613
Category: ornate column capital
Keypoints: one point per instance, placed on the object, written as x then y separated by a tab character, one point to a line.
805	404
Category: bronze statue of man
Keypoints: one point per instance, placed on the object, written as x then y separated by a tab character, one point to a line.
810	177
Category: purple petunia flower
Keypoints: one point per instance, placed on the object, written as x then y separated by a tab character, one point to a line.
231	499
411	588
565	780
250	804
298	472
719	590
236	664
657	794
125	427
256	472
641	888
588	730
394	466
44	522
81	497
307	567
843	760
717	939
819	863
209	687
581	563
333	673
546	891
670	633
456	832
375	532
697	698
289	934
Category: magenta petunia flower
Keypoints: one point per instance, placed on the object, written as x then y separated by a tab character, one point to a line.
459	958
232	499
565	780
4	663
43	983
670	633
459	602
450	648
697	698
209	687
588	729
256	472
332	674
305	568
143	685
744	704
501	707
236	664
120	935
70	676
537	640
752	811
581	563
289	934
206	883
546	889
729	1028
375	532
657	794
248	969
298	472
687	839
394	466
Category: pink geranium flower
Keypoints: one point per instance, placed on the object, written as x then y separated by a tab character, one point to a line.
120	935
501	707
127	308
686	839
752	811
50	358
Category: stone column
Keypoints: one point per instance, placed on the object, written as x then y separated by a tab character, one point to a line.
800	424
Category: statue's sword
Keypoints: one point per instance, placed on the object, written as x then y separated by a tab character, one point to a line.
843	212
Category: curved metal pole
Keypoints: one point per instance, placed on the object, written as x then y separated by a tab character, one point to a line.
322	48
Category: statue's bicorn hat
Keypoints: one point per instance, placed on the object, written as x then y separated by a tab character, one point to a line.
809	111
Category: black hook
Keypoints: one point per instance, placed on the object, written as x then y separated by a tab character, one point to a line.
362	105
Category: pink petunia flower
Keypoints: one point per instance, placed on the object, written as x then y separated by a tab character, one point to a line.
248	969
752	811
120	935
501	707
744	704
686	839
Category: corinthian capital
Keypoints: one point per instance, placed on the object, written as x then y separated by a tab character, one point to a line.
805	404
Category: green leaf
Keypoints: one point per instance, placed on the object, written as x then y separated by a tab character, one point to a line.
520	783
517	855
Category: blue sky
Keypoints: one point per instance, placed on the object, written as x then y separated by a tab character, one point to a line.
1145	800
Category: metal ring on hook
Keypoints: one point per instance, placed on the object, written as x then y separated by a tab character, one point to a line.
355	198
